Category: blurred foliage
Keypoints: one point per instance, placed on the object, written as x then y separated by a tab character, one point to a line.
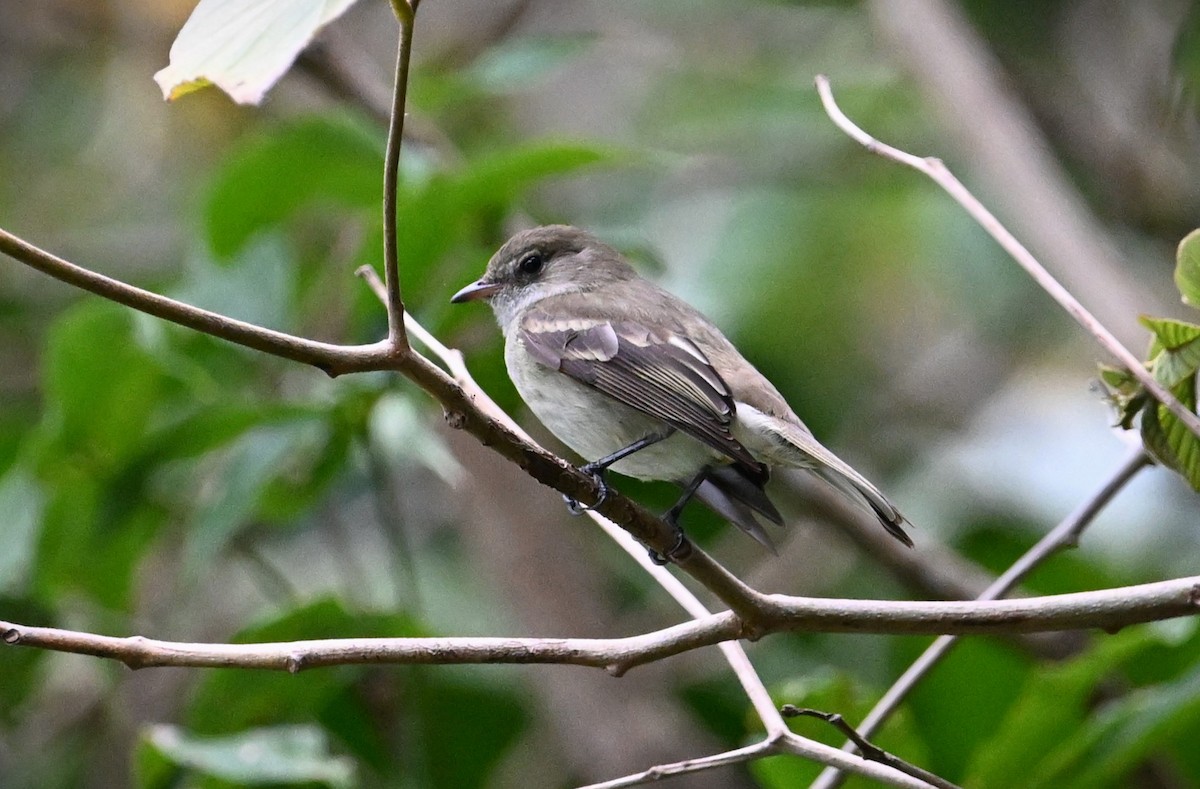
158	481
1174	359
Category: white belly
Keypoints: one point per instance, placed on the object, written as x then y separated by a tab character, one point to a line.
595	425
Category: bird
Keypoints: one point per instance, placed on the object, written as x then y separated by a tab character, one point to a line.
636	380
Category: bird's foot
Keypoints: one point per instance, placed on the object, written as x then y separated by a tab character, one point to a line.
679	549
574	506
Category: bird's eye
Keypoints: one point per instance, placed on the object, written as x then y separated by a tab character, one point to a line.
531	262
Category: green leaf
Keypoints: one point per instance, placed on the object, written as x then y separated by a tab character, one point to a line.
331	161
1172	367
235	699
21	669
102	387
1110	746
460	706
959	707
93	537
403	433
499	178
1125	393
242	46
1052	707
1169	440
1170	334
433	213
212	425
268	756
1117	377
1187	268
251	464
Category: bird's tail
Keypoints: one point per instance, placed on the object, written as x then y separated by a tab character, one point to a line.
856	486
798	447
736	494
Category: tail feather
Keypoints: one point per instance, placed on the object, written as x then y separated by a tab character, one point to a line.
856	487
735	496
794	445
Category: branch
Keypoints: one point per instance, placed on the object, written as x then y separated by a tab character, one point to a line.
1065	534
869	750
954	66
1107	609
937	171
933	573
788	743
333	359
405	13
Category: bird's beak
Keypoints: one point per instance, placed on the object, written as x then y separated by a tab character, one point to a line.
480	289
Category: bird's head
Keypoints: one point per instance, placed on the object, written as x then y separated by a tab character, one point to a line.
544	261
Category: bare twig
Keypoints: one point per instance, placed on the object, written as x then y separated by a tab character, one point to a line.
405	13
937	171
868	749
954	66
1064	535
786	742
451	357
738	756
333	359
1107	609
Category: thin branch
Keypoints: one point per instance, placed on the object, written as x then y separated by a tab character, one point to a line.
788	743
333	359
954	66
391	174
1065	534
739	756
937	171
1107	609
869	750
451	357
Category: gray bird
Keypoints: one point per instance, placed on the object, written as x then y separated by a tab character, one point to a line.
636	380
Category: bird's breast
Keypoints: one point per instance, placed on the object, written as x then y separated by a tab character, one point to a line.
595	425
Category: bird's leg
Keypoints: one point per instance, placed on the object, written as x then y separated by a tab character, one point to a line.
671	517
596	468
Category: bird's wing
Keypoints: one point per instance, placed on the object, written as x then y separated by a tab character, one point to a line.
653	370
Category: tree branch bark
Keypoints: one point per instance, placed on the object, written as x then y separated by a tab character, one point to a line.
937	171
1107	609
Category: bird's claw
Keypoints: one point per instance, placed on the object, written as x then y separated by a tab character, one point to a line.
574	506
678	550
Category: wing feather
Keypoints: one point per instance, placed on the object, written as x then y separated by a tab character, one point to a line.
655	371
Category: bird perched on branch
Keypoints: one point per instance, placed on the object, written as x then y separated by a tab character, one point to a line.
636	380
